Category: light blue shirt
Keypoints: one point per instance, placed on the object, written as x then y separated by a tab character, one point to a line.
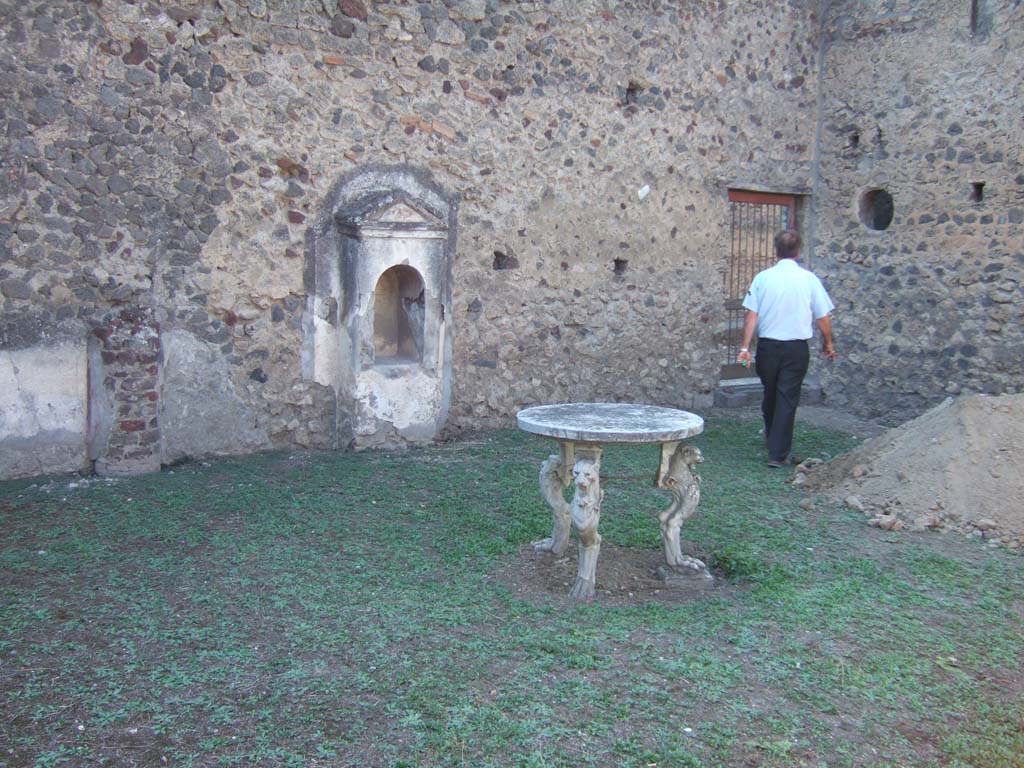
787	299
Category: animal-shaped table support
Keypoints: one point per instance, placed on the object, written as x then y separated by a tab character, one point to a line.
582	429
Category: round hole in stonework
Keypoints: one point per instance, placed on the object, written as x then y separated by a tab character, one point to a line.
876	209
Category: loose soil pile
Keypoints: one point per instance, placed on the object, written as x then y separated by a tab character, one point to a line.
960	466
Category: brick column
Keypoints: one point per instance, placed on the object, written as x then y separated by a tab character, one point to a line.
124	394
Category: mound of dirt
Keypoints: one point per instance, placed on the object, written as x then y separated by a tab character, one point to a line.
960	466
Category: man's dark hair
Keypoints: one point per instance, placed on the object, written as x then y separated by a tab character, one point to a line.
787	244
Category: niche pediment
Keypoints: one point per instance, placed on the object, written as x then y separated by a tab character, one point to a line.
388	211
405	212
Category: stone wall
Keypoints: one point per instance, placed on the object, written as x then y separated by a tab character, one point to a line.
177	157
173	156
919	104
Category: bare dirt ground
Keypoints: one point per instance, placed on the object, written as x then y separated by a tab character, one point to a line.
959	466
628	577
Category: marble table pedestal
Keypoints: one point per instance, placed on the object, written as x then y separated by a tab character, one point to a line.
582	429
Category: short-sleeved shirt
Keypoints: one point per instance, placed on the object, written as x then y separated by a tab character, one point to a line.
787	299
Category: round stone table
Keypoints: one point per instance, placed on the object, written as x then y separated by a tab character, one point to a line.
582	429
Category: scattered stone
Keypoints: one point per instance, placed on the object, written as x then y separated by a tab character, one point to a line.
397	33
859	471
355	9
140	76
15	289
469	10
139	52
449	33
118	184
444	130
854	503
886	522
985	524
342	26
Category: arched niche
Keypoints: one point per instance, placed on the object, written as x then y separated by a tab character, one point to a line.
378	278
399	307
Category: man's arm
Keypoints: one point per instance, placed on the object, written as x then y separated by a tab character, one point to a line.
825	326
749	326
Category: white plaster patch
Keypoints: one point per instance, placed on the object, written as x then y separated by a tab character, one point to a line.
325	353
43	389
410	402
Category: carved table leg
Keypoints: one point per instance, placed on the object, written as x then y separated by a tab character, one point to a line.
551	473
586	515
684	486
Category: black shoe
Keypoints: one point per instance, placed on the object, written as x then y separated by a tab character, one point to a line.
774	464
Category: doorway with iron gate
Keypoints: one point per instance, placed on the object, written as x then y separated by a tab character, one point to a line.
754	220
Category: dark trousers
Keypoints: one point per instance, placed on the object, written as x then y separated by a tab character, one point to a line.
781	366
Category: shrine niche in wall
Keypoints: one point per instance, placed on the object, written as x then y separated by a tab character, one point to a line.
398	312
379	274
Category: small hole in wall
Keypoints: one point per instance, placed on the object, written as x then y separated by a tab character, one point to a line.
876	209
633	91
504	260
977	191
620	266
854	139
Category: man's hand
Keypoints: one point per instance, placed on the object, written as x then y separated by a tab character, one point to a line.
749	326
825	326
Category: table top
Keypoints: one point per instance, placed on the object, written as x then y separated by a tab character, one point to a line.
610	422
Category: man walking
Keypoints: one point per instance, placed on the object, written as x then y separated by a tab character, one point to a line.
783	305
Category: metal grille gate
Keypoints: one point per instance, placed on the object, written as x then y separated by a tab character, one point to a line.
755	218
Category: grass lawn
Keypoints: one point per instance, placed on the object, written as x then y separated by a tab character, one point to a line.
342	609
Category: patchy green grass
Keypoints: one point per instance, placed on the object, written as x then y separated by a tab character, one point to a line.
345	609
